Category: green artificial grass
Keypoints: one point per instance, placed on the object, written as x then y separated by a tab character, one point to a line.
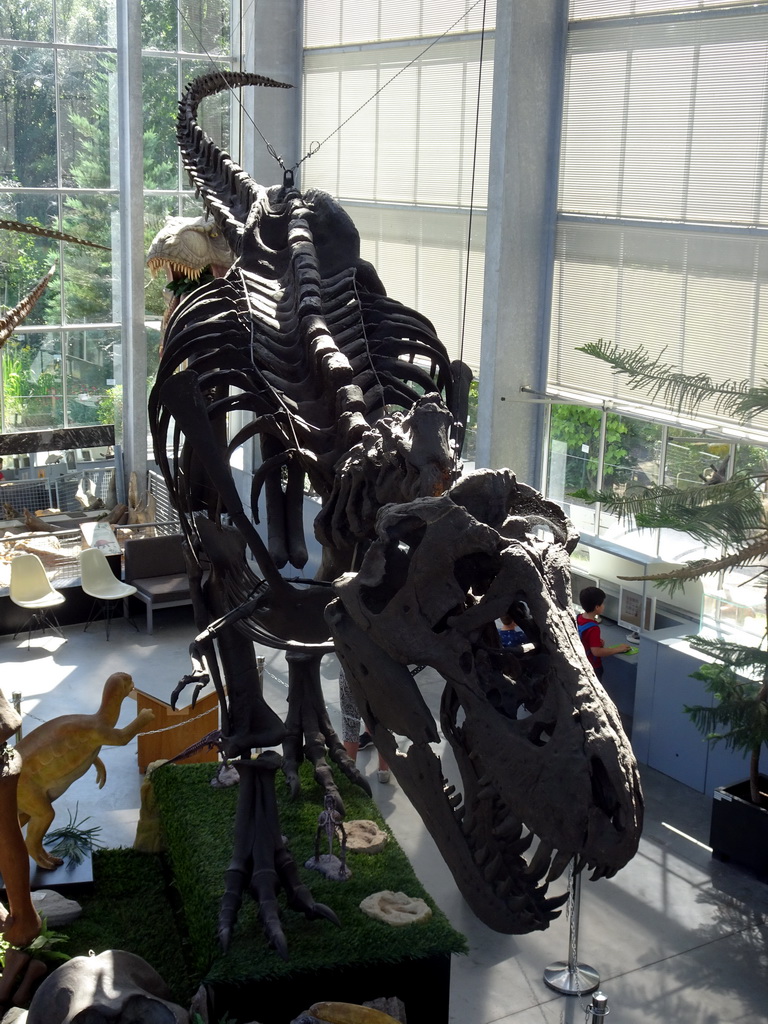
198	824
128	908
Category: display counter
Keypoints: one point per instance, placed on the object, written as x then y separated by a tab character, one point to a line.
663	736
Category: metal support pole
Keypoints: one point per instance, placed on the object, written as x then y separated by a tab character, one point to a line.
599	1007
572	978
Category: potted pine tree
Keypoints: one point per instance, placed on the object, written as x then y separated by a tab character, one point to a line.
739	824
729	515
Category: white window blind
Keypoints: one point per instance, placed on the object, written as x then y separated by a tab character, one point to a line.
662	233
340	22
421	256
403	165
415	141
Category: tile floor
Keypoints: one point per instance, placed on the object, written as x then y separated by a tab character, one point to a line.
675	937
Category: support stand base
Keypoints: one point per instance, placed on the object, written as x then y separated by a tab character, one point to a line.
571	982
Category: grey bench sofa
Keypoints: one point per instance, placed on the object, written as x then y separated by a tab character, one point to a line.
156	567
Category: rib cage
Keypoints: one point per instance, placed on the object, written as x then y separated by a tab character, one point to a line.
292	340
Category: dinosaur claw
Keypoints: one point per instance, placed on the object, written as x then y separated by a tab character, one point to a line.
279	945
273	931
292	781
356	776
321	910
225	937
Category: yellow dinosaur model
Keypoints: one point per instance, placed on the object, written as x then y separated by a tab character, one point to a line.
56	753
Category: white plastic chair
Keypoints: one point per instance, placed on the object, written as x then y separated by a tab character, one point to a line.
31	589
100	583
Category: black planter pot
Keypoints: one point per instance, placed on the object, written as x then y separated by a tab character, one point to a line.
739	829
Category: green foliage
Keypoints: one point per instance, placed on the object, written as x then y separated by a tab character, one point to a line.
78	151
110	408
198	821
24	259
719	513
734	656
41	947
578	425
27	85
26	393
470	437
16	384
738	398
730	516
72	841
740	717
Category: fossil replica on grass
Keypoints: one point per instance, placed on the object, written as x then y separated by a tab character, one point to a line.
352	391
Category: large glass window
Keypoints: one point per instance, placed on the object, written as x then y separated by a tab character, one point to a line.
574	460
59	169
180	41
590	449
58	68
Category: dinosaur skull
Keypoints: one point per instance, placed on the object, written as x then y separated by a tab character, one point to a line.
185	246
114	987
544	766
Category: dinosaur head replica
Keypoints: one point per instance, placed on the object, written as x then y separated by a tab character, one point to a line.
190	251
187	246
545	772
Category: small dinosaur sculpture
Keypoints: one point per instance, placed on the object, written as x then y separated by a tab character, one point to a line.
58	752
330	823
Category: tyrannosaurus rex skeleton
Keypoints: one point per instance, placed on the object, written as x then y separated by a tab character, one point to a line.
352	391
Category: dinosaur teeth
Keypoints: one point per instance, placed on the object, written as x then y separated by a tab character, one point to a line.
555	902
540	861
521	845
481	855
517	903
503	888
491	871
559	863
455	800
509	828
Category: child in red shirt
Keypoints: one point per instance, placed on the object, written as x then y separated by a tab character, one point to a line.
592	600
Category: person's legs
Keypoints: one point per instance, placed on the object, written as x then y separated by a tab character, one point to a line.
350	718
350	726
351	747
